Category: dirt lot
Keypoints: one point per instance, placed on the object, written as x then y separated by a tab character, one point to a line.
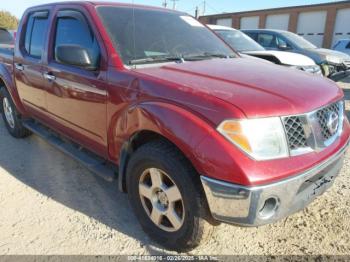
51	205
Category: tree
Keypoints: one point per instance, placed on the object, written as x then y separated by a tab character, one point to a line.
7	20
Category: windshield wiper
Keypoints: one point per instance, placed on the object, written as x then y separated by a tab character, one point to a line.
180	59
206	55
155	59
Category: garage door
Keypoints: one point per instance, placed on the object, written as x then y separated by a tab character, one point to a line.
342	25
251	22
224	22
311	26
280	22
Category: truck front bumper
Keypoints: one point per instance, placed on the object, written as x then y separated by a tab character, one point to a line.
259	205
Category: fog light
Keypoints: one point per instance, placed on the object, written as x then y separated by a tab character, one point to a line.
269	208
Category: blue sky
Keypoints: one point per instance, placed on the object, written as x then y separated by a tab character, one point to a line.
17	7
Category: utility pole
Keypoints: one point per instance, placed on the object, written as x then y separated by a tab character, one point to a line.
204	7
174	3
196	13
165	3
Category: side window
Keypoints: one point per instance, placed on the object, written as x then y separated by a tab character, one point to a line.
348	46
35	34
254	36
267	40
337	44
282	43
73	30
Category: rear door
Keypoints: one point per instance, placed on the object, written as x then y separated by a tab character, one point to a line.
28	61
77	96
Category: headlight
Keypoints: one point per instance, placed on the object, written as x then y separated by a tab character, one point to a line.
262	138
334	59
313	69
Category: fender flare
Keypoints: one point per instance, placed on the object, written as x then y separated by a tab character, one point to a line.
181	127
10	85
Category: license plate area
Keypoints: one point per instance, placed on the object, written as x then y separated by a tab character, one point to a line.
319	183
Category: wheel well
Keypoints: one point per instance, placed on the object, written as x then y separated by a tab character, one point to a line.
136	141
2	85
142	138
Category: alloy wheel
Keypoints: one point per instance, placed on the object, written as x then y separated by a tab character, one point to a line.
161	199
8	112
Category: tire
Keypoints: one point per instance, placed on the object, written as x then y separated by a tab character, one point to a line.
11	116
161	159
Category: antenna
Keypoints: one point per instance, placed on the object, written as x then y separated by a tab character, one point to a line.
174	3
134	27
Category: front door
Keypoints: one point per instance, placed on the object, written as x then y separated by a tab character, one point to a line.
76	96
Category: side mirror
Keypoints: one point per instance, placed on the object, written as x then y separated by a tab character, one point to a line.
283	46
75	55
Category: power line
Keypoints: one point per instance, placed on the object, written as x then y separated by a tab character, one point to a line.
212	8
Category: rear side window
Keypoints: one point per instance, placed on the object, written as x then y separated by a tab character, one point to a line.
254	36
348	46
76	31
36	33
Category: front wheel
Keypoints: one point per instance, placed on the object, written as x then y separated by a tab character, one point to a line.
167	197
11	117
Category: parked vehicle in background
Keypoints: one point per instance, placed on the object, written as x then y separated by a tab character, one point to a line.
195	134
342	45
334	64
7	38
245	45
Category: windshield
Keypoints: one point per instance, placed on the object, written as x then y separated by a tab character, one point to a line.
298	40
239	41
159	34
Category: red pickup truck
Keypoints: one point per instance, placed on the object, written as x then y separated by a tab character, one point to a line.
153	99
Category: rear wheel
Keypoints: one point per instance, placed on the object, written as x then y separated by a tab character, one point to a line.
167	197
11	117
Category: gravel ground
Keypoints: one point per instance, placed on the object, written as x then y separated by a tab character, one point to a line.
51	205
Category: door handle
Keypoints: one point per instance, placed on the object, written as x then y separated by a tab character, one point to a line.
19	67
49	77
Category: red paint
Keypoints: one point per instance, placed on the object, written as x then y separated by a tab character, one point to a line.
182	102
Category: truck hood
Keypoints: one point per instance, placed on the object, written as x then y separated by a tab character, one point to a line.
259	89
286	58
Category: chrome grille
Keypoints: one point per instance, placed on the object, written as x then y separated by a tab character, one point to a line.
295	132
322	116
311	131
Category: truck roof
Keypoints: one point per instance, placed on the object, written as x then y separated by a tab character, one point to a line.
264	30
104	3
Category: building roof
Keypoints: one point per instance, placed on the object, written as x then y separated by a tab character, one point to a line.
279	9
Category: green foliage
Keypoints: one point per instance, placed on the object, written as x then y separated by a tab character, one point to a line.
8	21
